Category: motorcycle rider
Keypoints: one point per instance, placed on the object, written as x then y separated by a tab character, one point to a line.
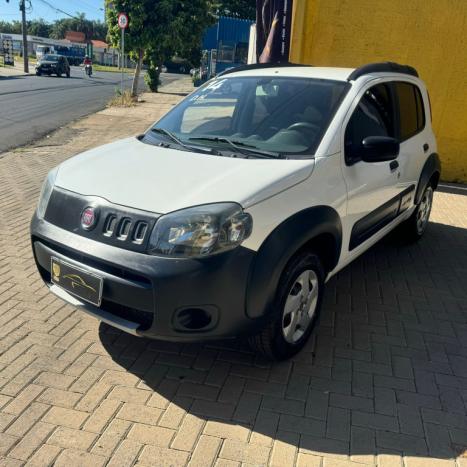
87	62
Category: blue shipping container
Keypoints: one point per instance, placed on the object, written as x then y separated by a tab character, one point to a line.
229	37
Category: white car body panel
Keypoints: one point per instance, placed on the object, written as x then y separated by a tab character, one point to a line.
323	188
161	180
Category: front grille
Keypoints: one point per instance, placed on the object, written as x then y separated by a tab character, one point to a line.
115	225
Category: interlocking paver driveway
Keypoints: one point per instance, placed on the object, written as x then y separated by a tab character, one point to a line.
383	383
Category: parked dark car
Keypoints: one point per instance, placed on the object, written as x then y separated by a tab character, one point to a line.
53	65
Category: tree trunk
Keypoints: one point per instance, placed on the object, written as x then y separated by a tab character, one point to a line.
139	63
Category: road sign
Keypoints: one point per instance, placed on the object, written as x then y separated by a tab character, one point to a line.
122	20
7	49
122	24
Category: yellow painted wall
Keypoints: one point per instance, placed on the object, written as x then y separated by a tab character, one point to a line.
430	35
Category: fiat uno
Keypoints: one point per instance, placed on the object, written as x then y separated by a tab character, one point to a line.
227	216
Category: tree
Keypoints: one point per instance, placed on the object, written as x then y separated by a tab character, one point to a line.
92	29
10	28
157	30
39	27
245	9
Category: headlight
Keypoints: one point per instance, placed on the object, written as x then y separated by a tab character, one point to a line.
46	191
200	231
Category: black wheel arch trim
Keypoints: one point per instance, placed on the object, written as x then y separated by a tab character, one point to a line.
432	167
282	244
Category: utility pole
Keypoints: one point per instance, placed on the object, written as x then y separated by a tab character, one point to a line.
22	7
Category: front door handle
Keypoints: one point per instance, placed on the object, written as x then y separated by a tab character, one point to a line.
393	165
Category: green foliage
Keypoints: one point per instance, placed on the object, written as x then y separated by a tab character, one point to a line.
56	30
92	29
162	29
13	27
39	28
152	78
245	9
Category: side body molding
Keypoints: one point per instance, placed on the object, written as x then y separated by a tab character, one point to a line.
432	166
289	237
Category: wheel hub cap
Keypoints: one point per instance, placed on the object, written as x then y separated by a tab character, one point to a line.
300	306
424	209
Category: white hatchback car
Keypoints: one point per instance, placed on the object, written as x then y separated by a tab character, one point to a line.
227	217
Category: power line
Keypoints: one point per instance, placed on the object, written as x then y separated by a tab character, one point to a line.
92	7
58	9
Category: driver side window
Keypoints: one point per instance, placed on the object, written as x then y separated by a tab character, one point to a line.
374	116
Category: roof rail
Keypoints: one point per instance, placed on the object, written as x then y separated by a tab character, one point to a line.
258	66
382	67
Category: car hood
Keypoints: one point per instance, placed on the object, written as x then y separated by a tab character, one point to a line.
138	175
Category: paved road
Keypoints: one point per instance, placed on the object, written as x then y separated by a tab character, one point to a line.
32	106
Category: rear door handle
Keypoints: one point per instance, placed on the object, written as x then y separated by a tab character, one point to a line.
393	165
426	146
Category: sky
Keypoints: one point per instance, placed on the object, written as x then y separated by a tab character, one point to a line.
94	9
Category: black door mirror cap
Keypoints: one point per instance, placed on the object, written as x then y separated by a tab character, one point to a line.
379	149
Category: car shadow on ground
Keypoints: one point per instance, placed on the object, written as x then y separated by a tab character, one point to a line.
384	373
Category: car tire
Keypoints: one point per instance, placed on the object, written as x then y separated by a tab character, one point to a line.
38	73
415	226
296	308
68	74
59	75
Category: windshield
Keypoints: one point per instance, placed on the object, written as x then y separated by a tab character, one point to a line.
51	58
278	114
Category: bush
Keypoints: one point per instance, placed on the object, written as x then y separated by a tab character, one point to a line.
125	100
152	78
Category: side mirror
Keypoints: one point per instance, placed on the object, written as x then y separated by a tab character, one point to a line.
379	149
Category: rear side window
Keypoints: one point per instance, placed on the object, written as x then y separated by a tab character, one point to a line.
411	111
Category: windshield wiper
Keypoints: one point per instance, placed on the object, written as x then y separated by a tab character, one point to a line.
178	141
244	148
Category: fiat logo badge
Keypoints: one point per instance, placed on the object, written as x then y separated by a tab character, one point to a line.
89	218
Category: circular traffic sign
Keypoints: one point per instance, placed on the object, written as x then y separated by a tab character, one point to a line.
122	20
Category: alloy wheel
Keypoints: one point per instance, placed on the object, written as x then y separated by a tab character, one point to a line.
424	209
300	306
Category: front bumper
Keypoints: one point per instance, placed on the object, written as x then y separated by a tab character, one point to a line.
147	295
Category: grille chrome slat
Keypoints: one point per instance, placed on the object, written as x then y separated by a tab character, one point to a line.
116	225
124	228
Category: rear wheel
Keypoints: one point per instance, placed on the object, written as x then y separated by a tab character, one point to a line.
414	227
296	308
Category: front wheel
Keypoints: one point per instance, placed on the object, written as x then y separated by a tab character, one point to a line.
296	308
414	227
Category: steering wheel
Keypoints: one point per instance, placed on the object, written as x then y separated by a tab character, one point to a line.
304	127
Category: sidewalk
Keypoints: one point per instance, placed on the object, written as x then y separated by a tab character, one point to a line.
14	71
383	382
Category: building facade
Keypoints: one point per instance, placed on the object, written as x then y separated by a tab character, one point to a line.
430	35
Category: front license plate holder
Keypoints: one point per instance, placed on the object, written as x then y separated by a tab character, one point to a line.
77	281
